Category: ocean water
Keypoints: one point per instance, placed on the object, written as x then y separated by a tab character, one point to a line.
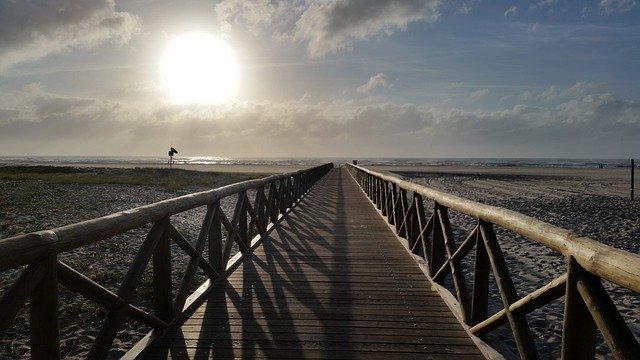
215	160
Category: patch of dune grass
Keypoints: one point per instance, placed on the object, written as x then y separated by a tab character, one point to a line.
167	178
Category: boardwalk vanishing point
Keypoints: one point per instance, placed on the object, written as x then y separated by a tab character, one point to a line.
330	281
331	263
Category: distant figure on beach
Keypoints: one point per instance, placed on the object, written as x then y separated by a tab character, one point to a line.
172	151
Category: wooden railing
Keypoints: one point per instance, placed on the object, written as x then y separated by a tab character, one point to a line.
587	304
45	272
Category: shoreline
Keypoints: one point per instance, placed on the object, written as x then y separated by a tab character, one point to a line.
217	168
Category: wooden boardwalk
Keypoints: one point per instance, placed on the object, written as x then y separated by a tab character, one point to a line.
330	281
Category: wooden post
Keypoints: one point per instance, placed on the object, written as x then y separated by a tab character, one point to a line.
383	198
437	242
456	270
271	203
403	207
579	329
480	297
215	240
392	211
633	168
243	230
43	314
258	207
613	328
419	225
162	292
284	184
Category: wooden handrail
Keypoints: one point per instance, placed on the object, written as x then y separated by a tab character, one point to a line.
27	248
39	282
588	306
612	264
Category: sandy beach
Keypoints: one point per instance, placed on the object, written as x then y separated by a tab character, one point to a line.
592	202
563	181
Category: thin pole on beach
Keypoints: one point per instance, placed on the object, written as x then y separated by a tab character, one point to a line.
633	167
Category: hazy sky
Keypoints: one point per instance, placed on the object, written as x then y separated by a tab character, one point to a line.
354	78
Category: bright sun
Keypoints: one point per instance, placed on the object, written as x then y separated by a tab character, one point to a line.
199	68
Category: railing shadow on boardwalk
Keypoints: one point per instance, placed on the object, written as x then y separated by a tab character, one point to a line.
588	308
263	301
39	282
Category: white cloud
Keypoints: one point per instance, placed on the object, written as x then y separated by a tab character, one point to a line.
575	91
327	26
32	29
331	26
376	81
467	6
258	14
477	95
547	2
616	6
512	11
46	123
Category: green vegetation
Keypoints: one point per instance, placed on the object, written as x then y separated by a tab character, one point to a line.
10	350
167	178
34	198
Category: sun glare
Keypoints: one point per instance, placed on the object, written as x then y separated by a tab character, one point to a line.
199	68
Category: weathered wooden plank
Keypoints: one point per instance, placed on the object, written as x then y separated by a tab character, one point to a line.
338	324
325	345
278	338
372	313
399	335
330	289
258	353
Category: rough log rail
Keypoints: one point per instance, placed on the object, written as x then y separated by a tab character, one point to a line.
588	306
44	273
